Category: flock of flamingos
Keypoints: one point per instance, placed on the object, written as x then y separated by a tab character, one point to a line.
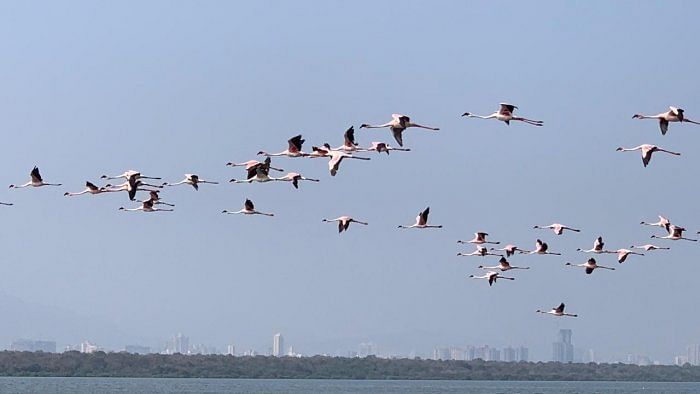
259	171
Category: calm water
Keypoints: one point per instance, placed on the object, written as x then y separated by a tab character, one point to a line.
110	385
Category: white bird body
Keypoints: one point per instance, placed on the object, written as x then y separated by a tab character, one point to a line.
597	248
422	221
398	124
671	116
663	223
380	147
543	248
293	150
647	150
505	114
91	188
344	222
294	178
248	209
336	157
590	266
557	311
622	254
480	251
511	250
36	180
558	228
128	174
252	163
191	179
147	206
675	233
503	265
491	276
479	239
649	247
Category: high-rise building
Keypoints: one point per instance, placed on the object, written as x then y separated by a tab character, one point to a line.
367	349
178	344
30	345
522	354
680	360
494	354
509	355
694	354
230	350
87	347
278	345
563	349
456	353
441	353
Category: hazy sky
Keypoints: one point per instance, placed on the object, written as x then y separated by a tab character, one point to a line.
174	87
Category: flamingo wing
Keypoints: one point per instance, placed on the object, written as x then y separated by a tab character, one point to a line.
295	143
663	125
35	175
507	109
249	206
398	136
350	137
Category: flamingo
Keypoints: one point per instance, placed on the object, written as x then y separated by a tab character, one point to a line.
322	151
384	147
248	209
480	251
337	157
505	114
542	248
422	221
479	238
590	266
191	179
295	177
672	115
558	228
349	145
147	206
623	253
252	163
675	233
36	180
647	150
7	204
597	248
511	250
504	266
131	186
398	124
344	222
663	222
155	197
128	174
492	276
294	149
90	188
558	311
649	247
255	174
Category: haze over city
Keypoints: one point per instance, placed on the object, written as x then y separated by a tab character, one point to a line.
172	87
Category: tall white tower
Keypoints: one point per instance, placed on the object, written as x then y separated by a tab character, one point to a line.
278	345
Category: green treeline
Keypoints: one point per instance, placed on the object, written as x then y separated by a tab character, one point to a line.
73	364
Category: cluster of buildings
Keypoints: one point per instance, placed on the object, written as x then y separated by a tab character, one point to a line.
563	350
486	353
692	356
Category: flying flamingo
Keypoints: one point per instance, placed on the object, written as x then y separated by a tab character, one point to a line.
155	198
422	221
191	179
147	206
6	203
558	311
479	238
131	186
322	151
557	228
492	276
675	233
623	253
36	180
337	157
480	251
672	115
398	124
503	265
128	174
542	248
663	222
248	209
590	266
252	163
511	250
597	248
384	147
255	174
647	150
349	145
344	222
91	188
505	114
649	247
295	177
294	149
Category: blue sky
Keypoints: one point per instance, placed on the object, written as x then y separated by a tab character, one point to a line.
175	87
